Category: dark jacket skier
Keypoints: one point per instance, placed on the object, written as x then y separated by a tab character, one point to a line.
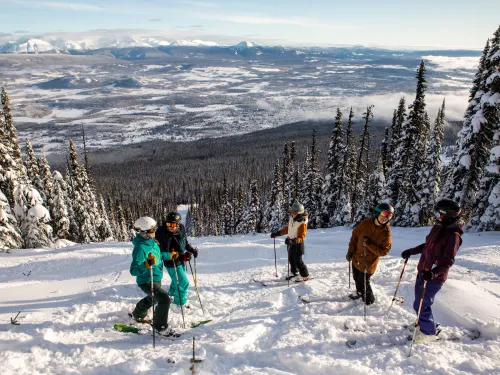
172	237
437	256
376	235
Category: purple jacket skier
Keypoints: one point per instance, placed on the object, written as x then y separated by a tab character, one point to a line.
437	256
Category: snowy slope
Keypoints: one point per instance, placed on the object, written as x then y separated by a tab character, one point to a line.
70	298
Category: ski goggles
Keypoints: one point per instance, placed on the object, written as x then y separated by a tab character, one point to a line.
152	230
172	225
387	214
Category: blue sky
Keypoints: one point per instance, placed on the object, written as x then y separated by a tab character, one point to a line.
447	23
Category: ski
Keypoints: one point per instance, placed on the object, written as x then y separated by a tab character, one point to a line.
279	281
307	300
202	322
395	340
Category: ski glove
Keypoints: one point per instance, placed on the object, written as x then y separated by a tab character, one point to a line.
174	255
406	254
151	261
366	241
194	251
187	257
275	234
428	275
349	256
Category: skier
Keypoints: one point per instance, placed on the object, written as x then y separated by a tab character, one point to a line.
147	255
438	255
172	237
375	234
296	230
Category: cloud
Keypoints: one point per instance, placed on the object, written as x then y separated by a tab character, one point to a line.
451	63
261	20
61	5
155	20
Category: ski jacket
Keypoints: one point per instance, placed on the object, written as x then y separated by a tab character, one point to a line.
142	248
378	244
173	241
296	230
439	251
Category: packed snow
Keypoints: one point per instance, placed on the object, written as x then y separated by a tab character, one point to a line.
70	298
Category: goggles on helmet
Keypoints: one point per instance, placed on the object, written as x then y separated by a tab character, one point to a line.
387	214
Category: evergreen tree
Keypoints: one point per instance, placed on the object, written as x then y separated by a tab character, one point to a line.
38	230
384	152
413	146
10	238
239	206
104	227
46	182
361	176
121	230
60	216
227	210
334	173
430	177
286	179
313	183
461	162
32	165
275	217
397	168
374	189
112	218
252	215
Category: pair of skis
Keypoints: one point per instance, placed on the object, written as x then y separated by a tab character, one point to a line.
271	282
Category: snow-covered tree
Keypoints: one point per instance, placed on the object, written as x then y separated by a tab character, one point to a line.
431	175
275	201
373	195
334	173
104	227
312	185
10	238
32	165
38	231
60	216
227	210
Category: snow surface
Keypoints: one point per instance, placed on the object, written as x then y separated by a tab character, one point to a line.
70	298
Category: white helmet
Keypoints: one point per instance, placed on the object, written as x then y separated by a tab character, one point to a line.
145	224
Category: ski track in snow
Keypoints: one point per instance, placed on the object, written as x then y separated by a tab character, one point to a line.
73	296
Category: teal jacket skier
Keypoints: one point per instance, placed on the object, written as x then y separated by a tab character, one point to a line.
172	237
146	256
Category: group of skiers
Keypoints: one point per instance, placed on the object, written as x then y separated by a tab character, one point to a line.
371	239
154	248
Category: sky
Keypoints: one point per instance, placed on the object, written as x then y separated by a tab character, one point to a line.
443	23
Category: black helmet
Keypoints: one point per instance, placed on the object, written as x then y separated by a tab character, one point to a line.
447	208
383	207
174	217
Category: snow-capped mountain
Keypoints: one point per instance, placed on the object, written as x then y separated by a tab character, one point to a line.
193	43
32	45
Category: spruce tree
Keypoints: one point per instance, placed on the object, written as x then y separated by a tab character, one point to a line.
361	176
431	175
374	189
413	145
227	210
313	183
10	237
32	165
38	230
60	215
334	173
121	230
252	216
239	211
286	179
104	228
275	217
466	141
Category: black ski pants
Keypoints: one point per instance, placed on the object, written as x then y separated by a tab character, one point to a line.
359	279
295	253
162	299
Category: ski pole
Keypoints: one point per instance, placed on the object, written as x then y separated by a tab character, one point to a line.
288	272
349	266
153	299
397	286
196	284
364	256
179	291
418	315
275	266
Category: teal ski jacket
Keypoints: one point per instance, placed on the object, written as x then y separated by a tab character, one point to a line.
142	248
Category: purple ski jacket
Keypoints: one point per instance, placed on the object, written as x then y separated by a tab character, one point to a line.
440	248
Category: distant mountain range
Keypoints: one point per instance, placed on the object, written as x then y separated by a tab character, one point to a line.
130	47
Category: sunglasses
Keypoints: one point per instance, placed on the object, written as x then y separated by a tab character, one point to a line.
172	225
387	214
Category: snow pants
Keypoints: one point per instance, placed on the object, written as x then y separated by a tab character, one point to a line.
426	320
161	310
183	284
295	253
359	280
